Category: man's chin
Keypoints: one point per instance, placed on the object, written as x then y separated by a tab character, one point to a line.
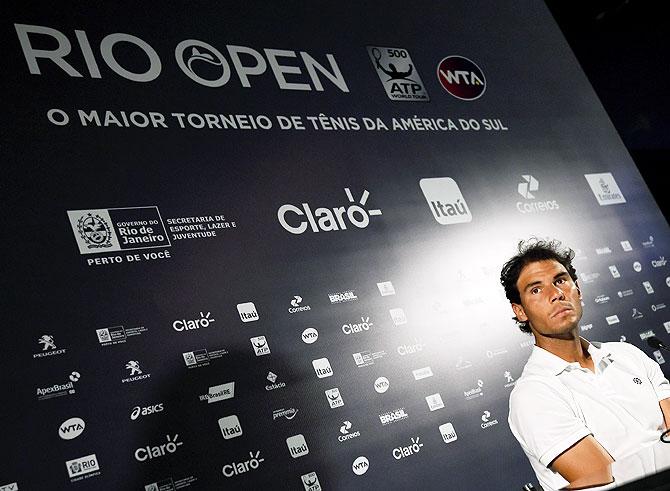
567	332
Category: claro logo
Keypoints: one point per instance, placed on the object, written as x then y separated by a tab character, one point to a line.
296	219
199	61
156	451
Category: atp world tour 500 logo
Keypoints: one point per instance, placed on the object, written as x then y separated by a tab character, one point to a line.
118	229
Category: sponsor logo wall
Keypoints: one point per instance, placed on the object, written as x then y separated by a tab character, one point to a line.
251	252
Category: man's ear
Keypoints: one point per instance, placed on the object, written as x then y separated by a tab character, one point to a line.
578	290
519	312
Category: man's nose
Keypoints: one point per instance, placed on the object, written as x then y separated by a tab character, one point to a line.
557	294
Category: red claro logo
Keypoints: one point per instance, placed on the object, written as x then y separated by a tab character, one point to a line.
461	77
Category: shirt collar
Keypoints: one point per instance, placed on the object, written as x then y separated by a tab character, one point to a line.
543	362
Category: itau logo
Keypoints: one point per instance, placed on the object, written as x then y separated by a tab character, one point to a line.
461	77
230	427
322	368
297	446
448	433
398	74
247	312
605	188
296	219
445	200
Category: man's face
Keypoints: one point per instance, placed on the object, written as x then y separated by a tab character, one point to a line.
550	299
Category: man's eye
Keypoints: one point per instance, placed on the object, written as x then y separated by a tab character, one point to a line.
561	281
535	290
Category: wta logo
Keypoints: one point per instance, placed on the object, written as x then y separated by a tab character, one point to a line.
461	77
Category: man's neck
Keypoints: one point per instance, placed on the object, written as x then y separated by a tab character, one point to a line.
573	349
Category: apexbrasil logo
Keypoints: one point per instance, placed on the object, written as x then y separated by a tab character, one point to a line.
327	219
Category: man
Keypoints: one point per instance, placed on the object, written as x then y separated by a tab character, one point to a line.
579	408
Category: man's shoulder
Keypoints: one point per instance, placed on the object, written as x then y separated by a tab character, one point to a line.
530	385
619	347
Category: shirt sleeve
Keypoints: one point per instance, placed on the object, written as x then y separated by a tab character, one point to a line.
654	373
658	380
543	421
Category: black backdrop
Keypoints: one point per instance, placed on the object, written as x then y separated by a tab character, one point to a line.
527	177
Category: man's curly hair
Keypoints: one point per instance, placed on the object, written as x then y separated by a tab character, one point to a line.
531	251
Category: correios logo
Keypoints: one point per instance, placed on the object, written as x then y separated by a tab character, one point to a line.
526	188
199	61
487	421
346	434
461	77
296	219
445	200
528	184
296	307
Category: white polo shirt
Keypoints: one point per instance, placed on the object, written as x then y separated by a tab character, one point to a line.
555	404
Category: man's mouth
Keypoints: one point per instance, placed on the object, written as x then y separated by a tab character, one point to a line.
562	311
